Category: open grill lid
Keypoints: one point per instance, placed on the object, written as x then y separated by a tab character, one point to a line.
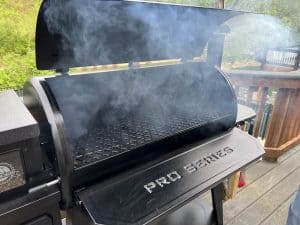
75	33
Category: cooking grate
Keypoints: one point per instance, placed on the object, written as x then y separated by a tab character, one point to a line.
102	142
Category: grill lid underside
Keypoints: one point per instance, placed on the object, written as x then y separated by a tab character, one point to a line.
78	33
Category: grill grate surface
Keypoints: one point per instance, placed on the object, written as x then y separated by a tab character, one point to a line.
130	133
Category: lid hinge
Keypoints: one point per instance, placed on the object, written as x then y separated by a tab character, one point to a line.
63	71
133	65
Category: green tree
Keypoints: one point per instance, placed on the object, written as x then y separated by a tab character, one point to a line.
286	10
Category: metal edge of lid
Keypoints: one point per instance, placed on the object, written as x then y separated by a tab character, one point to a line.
34	88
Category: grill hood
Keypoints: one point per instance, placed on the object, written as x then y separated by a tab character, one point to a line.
77	33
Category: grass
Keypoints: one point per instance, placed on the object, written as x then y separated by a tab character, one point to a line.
17	34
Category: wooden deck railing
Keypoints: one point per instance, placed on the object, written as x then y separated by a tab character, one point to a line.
283	129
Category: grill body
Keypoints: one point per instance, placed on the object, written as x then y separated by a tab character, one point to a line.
126	147
96	125
109	121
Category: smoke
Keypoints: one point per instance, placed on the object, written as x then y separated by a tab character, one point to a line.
94	32
252	34
154	102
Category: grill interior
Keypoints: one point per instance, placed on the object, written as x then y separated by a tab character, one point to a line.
129	133
111	114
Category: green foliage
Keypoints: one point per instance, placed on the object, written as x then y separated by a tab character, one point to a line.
17	31
286	10
250	37
18	20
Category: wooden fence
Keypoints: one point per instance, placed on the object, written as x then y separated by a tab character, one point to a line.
283	129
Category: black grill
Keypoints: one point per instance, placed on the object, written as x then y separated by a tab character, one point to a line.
96	125
126	146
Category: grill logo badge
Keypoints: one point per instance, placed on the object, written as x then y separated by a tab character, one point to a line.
7	172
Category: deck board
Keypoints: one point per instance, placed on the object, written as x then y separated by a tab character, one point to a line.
262	167
268	194
258	169
269	202
279	216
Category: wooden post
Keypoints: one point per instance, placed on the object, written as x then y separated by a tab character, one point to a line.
291	117
283	130
261	98
297	61
221	4
251	90
233	184
278	118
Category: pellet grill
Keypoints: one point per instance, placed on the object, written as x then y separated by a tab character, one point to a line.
127	146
